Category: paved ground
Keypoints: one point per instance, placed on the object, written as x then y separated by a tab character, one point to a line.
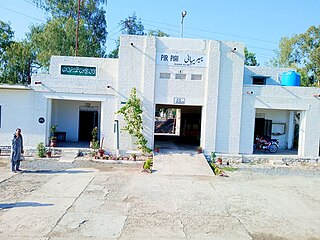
103	201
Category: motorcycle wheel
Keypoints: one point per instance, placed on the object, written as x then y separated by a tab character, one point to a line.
273	148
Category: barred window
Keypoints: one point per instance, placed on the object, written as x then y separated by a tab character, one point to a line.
165	75
181	76
196	76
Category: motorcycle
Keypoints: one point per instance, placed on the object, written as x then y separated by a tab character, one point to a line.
271	145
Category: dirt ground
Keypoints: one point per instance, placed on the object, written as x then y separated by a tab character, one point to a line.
119	202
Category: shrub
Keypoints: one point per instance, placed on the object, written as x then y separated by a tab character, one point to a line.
41	150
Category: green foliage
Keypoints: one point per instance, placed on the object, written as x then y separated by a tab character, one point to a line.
19	60
230	169
115	53
158	33
132	25
17	63
92	16
301	51
148	165
15	58
213	157
41	150
57	37
250	58
94	134
132	114
53	130
6	37
95	145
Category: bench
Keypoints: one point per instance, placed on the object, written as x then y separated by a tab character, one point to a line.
5	150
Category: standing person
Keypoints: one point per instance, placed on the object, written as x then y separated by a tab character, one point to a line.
17	150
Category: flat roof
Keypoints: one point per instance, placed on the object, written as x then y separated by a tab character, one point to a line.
14	87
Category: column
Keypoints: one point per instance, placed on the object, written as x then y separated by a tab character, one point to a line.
290	136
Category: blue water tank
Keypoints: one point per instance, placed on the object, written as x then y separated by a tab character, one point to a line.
290	78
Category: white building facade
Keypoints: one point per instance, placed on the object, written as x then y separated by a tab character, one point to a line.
214	96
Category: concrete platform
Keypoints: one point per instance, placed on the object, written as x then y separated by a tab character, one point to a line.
181	164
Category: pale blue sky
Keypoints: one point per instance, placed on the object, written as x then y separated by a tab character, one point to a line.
258	24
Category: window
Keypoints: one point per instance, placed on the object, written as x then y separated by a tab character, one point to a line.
0	116
181	76
165	75
196	77
259	80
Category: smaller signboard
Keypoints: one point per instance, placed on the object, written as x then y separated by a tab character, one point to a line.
41	120
78	70
181	59
178	100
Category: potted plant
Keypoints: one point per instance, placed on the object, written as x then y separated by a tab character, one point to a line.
134	156
101	151
157	148
94	134
53	138
49	152
199	149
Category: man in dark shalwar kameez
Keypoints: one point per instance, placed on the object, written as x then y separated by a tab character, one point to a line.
16	151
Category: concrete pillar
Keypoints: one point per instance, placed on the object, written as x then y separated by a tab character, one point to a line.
48	120
302	133
290	130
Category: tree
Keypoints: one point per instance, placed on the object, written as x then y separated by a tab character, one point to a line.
62	24
301	51
132	25
6	37
158	33
250	58
18	61
15	58
57	37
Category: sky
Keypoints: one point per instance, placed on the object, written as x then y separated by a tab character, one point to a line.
258	24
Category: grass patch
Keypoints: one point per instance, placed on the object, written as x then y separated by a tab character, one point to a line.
230	169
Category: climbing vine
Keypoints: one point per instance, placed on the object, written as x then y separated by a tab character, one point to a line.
132	114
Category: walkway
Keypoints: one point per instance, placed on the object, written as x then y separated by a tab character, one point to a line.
183	163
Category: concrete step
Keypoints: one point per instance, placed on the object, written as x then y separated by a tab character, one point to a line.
68	155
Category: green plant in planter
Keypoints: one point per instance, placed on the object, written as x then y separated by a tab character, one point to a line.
95	145
213	157
94	134
53	130
41	150
147	166
132	114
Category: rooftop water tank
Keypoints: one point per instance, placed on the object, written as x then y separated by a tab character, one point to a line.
290	78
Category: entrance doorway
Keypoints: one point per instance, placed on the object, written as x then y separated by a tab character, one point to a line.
177	127
87	121
262	127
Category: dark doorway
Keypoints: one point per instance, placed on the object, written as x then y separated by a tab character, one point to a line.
262	127
177	127
87	121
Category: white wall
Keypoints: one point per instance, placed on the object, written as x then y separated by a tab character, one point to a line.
107	74
21	109
274	74
65	114
230	98
277	116
137	69
283	98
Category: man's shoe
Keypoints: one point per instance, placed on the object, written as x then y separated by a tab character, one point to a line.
14	171
19	170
